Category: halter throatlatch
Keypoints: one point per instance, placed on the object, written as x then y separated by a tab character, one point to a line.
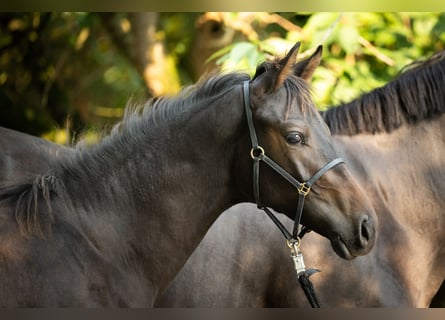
293	239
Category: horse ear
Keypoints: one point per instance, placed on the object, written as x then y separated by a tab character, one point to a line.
269	77
305	68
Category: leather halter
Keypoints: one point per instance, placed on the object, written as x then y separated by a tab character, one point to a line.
258	154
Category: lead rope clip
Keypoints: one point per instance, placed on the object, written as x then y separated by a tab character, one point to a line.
296	255
303	274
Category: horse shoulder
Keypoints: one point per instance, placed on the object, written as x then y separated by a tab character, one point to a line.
65	268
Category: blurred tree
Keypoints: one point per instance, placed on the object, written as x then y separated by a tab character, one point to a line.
76	71
361	50
137	38
56	67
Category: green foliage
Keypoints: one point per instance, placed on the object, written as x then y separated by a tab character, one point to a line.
59	66
362	50
56	67
239	56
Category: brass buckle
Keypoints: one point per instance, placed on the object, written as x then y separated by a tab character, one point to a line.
304	189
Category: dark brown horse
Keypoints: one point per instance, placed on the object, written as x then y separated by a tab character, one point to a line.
113	224
393	139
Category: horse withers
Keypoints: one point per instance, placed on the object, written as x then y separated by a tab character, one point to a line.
393	139
112	224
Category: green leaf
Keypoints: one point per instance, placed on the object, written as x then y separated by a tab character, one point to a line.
320	21
242	56
241	50
220	53
348	38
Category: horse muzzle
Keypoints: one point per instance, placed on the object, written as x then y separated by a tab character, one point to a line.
362	242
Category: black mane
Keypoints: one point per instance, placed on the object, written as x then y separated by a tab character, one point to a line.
160	109
417	94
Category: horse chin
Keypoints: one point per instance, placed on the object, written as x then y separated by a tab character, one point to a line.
341	249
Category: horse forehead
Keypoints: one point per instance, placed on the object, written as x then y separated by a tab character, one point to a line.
282	110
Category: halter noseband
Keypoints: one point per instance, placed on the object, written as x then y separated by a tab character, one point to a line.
258	154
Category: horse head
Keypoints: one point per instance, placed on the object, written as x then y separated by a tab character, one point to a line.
291	134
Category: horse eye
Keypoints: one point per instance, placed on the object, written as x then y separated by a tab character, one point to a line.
295	138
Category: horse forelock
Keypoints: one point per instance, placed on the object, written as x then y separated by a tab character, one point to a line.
416	94
298	93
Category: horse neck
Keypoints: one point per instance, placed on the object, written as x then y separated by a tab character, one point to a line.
165	188
403	173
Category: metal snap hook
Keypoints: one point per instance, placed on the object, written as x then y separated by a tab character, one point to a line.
293	243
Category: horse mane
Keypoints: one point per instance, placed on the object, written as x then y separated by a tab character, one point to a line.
158	110
31	197
415	95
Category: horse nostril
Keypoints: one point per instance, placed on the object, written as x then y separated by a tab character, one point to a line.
365	231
